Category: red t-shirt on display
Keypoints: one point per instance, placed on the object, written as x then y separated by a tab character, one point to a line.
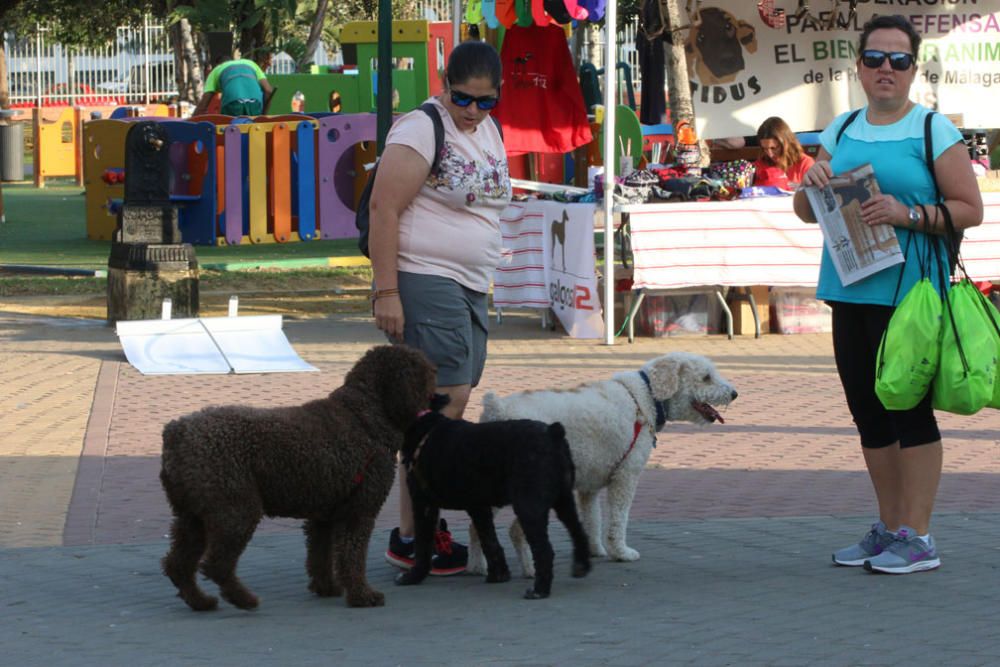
541	105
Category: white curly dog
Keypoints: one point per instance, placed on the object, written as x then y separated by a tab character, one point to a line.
611	426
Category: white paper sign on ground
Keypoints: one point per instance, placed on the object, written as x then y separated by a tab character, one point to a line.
209	345
255	344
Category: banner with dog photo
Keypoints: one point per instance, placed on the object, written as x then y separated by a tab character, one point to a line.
568	247
750	60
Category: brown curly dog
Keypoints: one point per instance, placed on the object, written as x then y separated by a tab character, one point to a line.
330	462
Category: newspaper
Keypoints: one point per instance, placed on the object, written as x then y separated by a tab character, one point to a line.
857	249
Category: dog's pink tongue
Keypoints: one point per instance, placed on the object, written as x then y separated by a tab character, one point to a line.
707	411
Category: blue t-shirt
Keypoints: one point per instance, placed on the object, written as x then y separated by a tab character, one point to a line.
896	153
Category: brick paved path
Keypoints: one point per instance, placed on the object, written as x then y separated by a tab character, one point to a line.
735	523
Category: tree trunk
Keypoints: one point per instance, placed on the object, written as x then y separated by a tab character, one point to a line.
678	80
315	32
187	63
4	87
252	41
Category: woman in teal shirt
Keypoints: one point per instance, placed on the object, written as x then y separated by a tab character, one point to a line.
902	449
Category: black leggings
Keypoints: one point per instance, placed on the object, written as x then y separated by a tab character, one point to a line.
857	332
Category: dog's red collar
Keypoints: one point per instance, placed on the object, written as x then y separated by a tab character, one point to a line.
359	476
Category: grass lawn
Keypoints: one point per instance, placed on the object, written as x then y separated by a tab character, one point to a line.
48	227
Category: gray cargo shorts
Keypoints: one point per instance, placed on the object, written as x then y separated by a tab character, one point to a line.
447	321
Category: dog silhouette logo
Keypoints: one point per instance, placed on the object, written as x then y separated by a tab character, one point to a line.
715	44
557	232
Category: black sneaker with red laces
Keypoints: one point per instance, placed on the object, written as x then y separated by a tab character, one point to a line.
449	558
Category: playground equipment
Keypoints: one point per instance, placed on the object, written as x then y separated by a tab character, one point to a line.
239	180
58	144
420	51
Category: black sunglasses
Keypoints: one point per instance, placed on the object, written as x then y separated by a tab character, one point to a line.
898	60
485	103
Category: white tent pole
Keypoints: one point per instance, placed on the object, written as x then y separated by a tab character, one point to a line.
610	87
456	21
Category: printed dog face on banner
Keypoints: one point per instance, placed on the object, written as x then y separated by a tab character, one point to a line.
715	45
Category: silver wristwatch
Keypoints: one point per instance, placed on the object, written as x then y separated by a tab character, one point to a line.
913	216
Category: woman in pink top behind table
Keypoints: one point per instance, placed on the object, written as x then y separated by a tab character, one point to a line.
782	162
435	242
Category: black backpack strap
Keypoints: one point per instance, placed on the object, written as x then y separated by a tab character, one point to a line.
843	128
953	237
499	127
929	151
435	117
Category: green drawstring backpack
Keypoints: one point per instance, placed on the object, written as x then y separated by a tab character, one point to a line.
908	354
993	318
910	350
968	369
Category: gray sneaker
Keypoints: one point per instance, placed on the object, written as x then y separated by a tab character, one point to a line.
872	544
907	553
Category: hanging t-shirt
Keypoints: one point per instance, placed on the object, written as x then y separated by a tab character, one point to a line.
595	9
650	40
525	19
490	14
506	11
452	227
541	108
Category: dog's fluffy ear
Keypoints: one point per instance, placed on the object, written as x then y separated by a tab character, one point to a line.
747	35
438	401
664	378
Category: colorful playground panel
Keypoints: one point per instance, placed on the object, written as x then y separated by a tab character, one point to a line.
419	48
239	180
191	155
58	143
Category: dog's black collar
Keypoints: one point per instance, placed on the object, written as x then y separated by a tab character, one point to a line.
661	406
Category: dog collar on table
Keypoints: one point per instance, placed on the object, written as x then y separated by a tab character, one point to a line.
661	406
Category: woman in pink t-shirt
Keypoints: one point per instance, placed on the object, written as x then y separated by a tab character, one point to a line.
782	162
435	242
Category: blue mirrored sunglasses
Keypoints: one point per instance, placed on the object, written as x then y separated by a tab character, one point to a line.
485	103
898	60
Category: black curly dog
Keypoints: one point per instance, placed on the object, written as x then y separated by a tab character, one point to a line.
456	464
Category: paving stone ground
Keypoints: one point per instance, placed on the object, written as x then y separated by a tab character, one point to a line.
735	523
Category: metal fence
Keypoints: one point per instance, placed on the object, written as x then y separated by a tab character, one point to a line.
137	68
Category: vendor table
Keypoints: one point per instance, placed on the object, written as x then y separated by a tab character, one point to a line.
739	243
704	246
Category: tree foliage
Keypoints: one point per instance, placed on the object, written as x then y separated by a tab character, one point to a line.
76	22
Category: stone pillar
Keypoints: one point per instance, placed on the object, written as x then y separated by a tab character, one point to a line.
148	261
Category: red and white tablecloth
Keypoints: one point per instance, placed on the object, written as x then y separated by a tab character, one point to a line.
758	242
